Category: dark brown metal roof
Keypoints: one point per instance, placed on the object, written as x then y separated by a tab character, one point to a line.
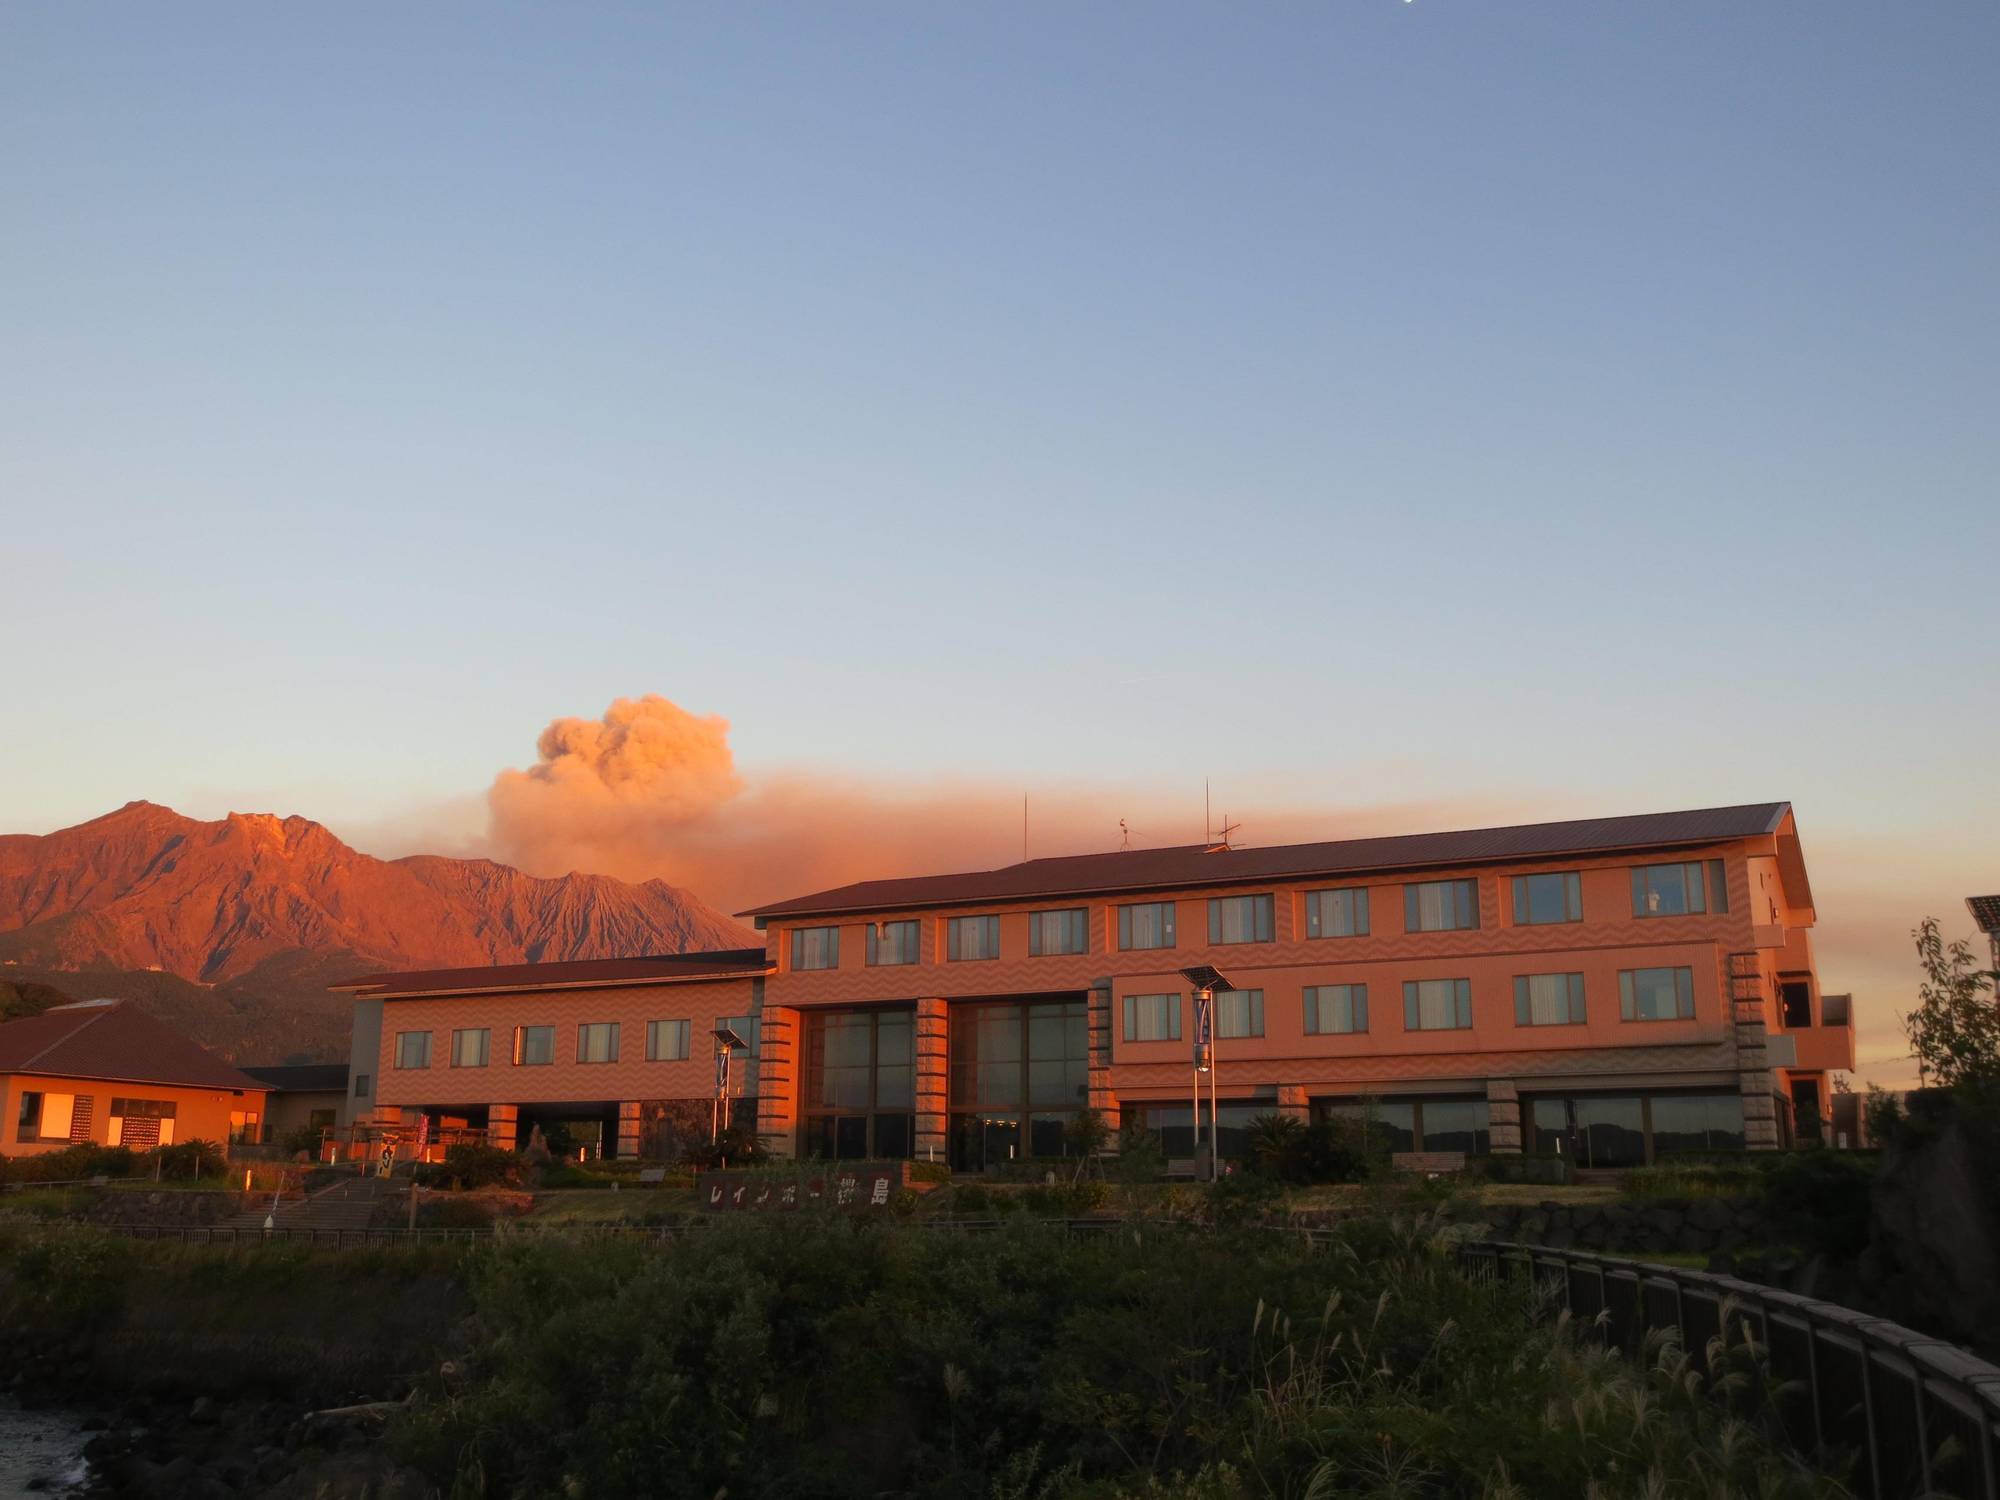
661	968
1194	864
116	1041
303	1078
1985	911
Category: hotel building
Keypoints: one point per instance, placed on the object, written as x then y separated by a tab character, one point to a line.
1612	988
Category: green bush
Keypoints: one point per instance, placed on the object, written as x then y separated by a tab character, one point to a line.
1819	1200
186	1161
927	1171
70	1164
1337	1150
826	1357
452	1213
1280	1148
1064	1200
469	1166
971	1201
734	1146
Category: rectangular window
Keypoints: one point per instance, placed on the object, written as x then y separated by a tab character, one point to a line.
859	1098
1336	1009
1542	899
815	947
413	1049
361	1081
1331	914
892	943
1679	890
971	938
1795	996
468	1047
1441	906
667	1041
28	1123
1239	919
1018	1074
1548	999
1051	932
1147	925
534	1046
1239	1013
745	1027
1656	994
597	1042
1437	1004
1152	1018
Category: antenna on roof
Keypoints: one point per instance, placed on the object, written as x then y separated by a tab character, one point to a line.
1124	835
1024	828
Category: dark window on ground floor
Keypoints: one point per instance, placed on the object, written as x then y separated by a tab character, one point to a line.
860	1085
1402	1124
1630	1130
1019	1073
1171	1125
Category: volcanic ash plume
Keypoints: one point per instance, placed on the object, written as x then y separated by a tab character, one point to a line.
614	795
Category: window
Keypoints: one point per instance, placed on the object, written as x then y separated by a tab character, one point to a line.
28	1124
1152	1018
1628	1130
468	1048
969	938
49	1117
1796	997
891	943
1416	1124
1541	899
1239	919
361	1085
1440	905
1019	1074
1335	1009
815	947
1331	914
1656	994
1437	1004
534	1046
1147	925
860	1085
413	1049
1679	890
145	1123
1548	999
667	1041
1239	1013
597	1042
1051	932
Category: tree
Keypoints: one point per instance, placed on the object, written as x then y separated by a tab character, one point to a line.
1955	1029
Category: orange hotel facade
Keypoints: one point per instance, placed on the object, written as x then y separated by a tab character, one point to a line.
1609	988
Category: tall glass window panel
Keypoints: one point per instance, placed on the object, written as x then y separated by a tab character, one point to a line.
534	1046
1656	994
815	947
1456	1125
1548	999
1239	1013
667	1041
1149	924
1152	1018
892	943
1441	905
1336	914
1696	1122
468	1047
1058	1056
1391	1124
1679	890
1239	919
1051	932
970	938
597	1042
1437	1004
1336	1009
1542	899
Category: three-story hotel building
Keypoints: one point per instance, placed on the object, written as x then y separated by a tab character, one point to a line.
1611	988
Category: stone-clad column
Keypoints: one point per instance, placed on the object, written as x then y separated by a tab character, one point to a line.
1753	1065
933	1084
1099	1092
1292	1102
1503	1117
779	1067
502	1125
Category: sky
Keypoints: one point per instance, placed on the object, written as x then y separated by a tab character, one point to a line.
1438	410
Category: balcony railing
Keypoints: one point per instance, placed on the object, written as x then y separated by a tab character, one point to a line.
1924	1414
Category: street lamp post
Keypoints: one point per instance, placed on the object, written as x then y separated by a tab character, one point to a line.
1205	980
726	1043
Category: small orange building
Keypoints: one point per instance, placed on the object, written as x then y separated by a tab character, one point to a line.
1610	989
104	1071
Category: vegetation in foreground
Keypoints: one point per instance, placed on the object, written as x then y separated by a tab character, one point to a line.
827	1358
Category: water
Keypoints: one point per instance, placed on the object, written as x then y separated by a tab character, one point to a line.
44	1445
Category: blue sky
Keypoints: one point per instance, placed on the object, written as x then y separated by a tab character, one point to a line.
1568	403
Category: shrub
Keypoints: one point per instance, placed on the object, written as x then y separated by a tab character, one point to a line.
1064	1199
453	1213
72	1163
1882	1115
969	1200
1820	1200
188	1161
1280	1148
474	1166
735	1146
1140	1158
1337	1151
927	1171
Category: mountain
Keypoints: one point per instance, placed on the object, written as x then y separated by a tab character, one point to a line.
233	929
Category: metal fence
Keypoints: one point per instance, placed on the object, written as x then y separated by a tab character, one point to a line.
1922	1414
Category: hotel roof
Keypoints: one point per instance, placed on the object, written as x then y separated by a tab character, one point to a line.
586	973
116	1041
1199	865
